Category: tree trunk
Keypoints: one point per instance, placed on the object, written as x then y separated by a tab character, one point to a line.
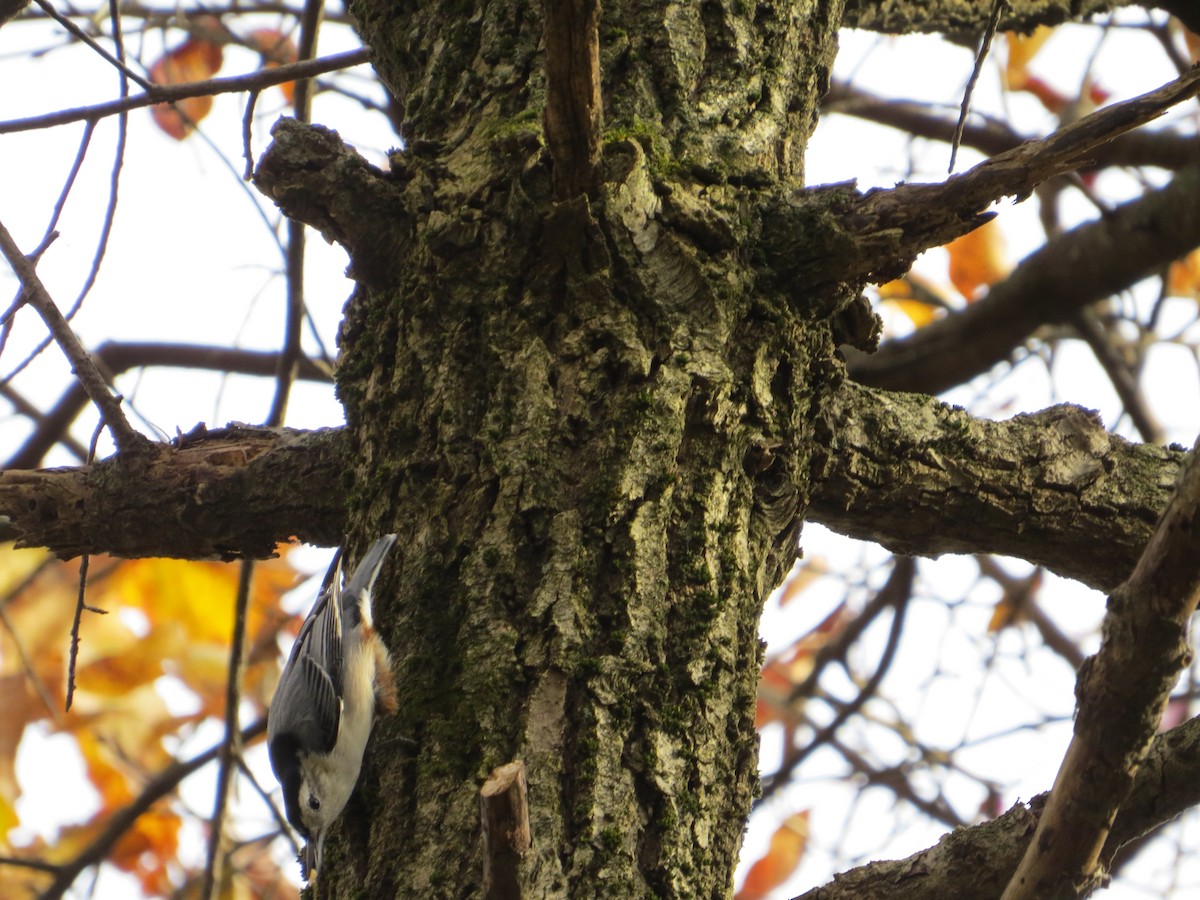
591	421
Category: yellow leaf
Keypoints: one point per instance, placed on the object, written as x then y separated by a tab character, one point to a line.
1022	48
8	818
147	848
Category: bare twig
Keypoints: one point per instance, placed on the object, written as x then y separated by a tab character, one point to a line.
985	45
259	80
898	590
289	357
81	364
81	598
79	34
231	747
120	822
120	357
1124	381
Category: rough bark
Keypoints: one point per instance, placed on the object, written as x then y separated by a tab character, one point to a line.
597	419
1019	486
966	18
903	470
227	493
564	410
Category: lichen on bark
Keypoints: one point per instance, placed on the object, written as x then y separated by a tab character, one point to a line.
591	423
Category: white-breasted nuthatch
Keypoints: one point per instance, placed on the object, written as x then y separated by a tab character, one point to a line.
339	674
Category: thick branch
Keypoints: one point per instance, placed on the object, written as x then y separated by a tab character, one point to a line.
1164	148
835	234
1055	488
967	18
1082	266
977	861
224	494
316	179
916	475
1122	692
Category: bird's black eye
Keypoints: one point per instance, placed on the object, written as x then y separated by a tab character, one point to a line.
313	803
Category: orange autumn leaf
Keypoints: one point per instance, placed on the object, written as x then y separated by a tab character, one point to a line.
196	59
780	861
1022	48
277	49
1010	608
978	260
146	848
781	675
1004	615
1191	40
108	775
1183	277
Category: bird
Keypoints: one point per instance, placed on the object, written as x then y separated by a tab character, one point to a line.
337	678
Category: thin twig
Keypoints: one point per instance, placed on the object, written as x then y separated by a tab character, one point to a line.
121	821
121	357
899	591
81	35
81	597
231	747
26	662
289	356
263	78
285	830
125	437
984	46
1124	381
248	135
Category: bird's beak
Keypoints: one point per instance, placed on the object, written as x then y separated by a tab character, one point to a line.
311	857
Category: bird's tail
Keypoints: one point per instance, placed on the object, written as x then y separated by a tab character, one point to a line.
356	594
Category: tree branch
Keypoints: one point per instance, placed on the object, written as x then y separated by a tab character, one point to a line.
1122	693
1164	149
1069	273
967	18
115	357
122	820
253	81
82	365
313	177
834	234
982	857
226	494
1053	487
918	476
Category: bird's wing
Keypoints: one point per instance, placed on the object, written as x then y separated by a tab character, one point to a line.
307	704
